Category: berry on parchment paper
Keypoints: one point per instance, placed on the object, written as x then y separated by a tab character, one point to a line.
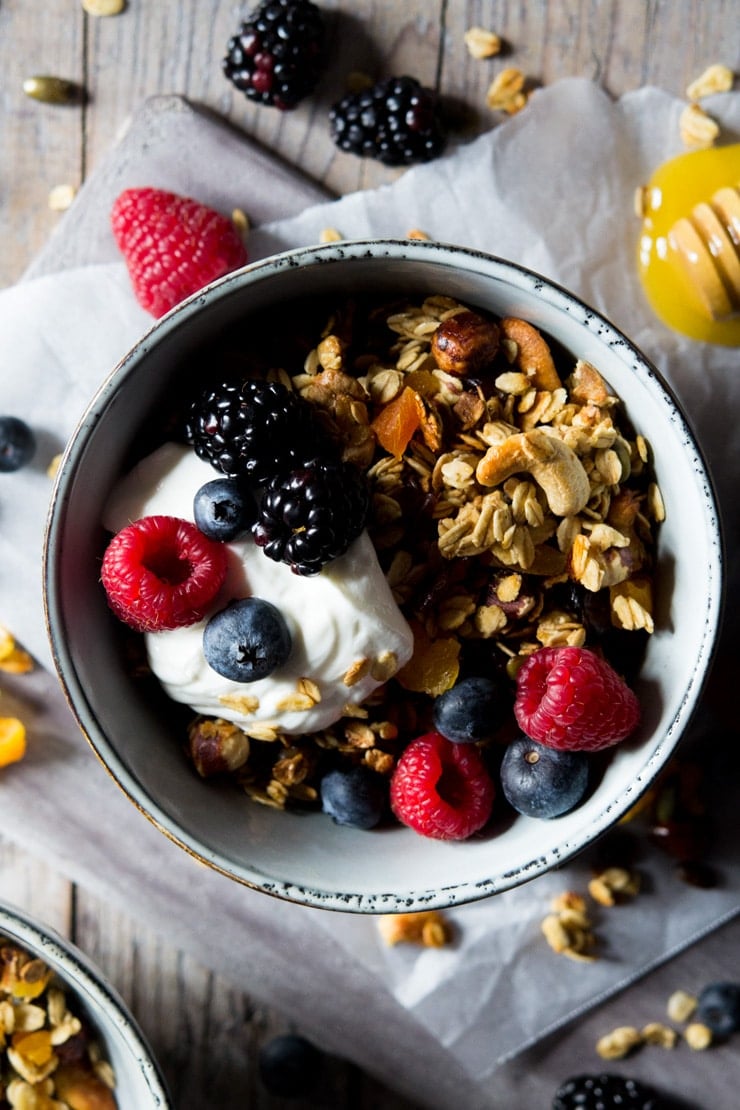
173	245
440	789
572	699
17	444
397	122
161	572
277	55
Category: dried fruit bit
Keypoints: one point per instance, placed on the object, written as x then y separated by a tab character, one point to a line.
434	665
619	1043
715	78
397	422
13	660
51	90
162	572
570	698
426	927
12	740
681	1006
698	1036
442	790
482	43
173	246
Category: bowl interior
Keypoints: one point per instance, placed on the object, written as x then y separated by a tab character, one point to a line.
138	1080
306	857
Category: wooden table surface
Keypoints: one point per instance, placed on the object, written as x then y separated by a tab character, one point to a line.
206	1031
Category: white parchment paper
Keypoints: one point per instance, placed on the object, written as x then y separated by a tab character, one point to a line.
551	188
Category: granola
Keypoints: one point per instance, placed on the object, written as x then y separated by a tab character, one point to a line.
512	507
51	1058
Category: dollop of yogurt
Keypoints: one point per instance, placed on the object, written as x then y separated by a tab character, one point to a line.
348	634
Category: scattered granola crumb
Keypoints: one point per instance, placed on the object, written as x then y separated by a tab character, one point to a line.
415	233
619	1043
613	885
698	1036
715	78
12	740
330	235
482	43
662	1035
103	7
53	467
681	1005
240	220
61	197
568	929
506	88
697	128
13	660
429	928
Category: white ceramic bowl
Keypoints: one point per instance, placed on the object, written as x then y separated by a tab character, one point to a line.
308	858
139	1083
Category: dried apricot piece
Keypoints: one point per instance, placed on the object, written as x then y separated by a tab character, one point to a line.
396	423
12	740
434	665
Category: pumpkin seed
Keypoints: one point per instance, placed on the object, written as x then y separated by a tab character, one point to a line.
51	90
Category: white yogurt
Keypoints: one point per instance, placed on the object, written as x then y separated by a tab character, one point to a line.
348	633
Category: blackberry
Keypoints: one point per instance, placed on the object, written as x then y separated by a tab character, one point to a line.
311	516
606	1092
397	122
277	55
253	430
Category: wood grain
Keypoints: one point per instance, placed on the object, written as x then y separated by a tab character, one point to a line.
205	1030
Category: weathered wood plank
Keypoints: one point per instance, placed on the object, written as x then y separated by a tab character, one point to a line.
40	144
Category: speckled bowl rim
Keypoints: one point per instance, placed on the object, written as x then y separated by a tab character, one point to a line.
451	256
80	976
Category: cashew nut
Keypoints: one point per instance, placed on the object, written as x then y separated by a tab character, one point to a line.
553	465
533	355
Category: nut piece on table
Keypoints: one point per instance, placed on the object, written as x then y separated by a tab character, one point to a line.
465	343
426	927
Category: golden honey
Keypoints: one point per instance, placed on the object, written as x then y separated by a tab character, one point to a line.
689	249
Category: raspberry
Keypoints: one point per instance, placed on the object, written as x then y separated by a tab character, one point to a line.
161	572
173	246
571	699
441	789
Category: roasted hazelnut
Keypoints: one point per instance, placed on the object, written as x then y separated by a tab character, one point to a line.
81	1089
465	344
217	747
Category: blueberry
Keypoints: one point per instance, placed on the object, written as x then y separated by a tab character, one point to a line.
247	640
719	1009
17	443
472	710
223	509
354	797
289	1065
542	782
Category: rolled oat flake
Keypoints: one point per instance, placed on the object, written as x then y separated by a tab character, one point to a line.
104	7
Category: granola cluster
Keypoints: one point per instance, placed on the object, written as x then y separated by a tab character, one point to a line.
50	1059
512	508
